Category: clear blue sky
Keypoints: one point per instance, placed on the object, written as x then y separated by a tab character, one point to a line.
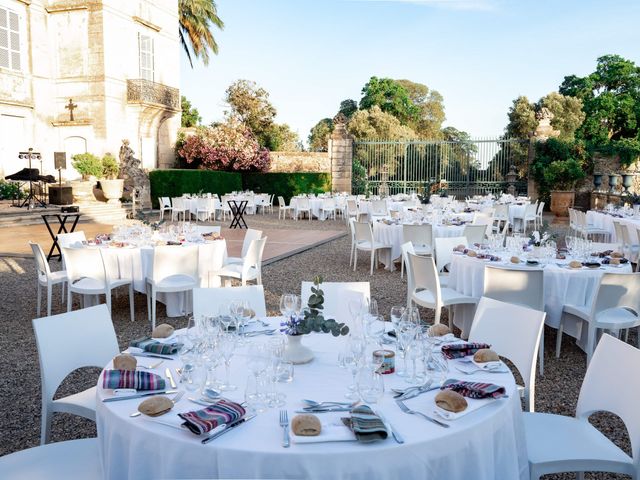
479	54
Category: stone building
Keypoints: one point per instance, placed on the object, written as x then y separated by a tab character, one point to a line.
116	60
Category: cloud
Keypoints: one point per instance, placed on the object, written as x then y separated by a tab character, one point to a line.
449	4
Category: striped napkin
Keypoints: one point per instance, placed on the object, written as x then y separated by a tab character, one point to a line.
476	390
367	426
459	350
205	420
132	379
150	345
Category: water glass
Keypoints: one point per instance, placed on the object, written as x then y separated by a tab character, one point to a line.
370	386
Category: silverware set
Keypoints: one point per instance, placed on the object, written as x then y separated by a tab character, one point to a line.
322	407
412	392
409	411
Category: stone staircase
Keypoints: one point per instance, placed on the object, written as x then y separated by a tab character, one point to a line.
99	212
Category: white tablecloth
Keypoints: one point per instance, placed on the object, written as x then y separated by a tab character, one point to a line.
314	203
391	235
562	286
605	221
487	444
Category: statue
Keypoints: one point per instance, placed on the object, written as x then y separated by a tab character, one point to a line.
544	129
136	180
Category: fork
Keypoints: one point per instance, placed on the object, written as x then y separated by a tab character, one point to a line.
152	366
284	423
175	400
406	409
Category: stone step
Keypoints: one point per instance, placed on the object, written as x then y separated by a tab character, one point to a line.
95	212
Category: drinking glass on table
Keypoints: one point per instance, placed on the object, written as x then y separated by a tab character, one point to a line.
226	346
396	315
224	316
406	333
257	364
436	367
370	386
286	305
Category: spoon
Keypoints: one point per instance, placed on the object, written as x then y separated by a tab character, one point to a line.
211	393
152	366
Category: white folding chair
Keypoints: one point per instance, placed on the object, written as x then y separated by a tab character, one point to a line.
251	267
514	332
425	290
175	269
249	236
165	205
615	307
179	207
66	342
557	444
57	461
87	274
283	208
336	295
46	278
366	243
519	287
475	233
207	301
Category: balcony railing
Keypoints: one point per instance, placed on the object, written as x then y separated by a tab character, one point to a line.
146	91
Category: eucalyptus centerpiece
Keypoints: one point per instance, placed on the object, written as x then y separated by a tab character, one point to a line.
310	319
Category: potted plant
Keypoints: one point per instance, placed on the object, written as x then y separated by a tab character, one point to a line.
561	177
112	186
90	167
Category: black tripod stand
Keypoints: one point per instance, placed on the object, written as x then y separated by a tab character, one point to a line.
32	199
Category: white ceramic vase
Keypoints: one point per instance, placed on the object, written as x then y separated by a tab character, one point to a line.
295	352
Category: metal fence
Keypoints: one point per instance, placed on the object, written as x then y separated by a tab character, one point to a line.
473	167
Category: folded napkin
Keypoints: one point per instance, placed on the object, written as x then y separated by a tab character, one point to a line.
459	350
474	389
151	345
132	379
367	426
205	420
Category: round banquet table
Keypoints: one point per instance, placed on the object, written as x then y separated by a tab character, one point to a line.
562	286
605	221
516	214
484	445
391	235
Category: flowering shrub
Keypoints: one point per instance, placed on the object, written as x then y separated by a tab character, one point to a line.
228	146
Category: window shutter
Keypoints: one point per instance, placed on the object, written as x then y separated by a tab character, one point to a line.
9	39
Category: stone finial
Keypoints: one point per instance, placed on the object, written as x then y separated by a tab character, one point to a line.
340	119
544	129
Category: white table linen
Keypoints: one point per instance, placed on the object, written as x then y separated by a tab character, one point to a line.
484	445
605	222
315	204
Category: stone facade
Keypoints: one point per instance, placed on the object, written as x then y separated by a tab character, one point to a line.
300	162
119	62
341	154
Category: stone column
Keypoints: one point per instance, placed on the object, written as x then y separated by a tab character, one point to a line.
341	155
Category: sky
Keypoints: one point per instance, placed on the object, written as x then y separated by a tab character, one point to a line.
479	54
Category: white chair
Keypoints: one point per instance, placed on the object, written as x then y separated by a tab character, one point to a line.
204	209
379	208
630	248
250	235
328	208
56	461
444	250
72	240
211	258
528	216
251	267
587	230
303	206
87	274
425	290
165	206
207	301
557	444
336	295
501	215
363	218
421	236
539	212
66	342
179	207
175	269
518	287
615	307
351	209
366	243
514	332
283	208
407	248
475	233
352	231
46	278
225	209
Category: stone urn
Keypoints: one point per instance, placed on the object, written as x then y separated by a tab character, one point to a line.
597	181
295	352
112	190
561	201
83	191
627	181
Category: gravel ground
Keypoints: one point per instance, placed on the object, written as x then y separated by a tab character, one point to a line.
556	392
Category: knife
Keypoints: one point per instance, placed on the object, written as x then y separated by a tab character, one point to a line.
138	395
167	372
228	428
394	432
147	354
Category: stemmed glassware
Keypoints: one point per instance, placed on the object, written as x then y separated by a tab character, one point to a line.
227	346
350	358
257	364
406	333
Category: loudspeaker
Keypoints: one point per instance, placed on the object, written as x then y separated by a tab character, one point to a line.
60	195
60	160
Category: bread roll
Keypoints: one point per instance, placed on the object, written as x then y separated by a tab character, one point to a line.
617	255
306	425
472	253
614	261
162	331
575	264
124	361
485	355
155	406
439	330
450	401
515	259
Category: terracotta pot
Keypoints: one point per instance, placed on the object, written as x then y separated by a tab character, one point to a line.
112	189
561	201
82	191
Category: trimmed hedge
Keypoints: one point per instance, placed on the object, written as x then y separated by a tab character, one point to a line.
287	184
173	183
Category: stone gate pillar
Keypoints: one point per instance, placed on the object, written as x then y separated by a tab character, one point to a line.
341	155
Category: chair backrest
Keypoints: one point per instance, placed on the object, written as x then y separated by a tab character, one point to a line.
617	228
603	247
173	260
42	266
363	217
72	340
516	286
530	210
444	249
303	204
513	331
207	301
253	258
363	231
617	290
336	296
626	234
165	202
281	202
379	207
73	239
328	204
474	233
178	203
612	384
418	234
572	217
540	209
352	207
250	236
84	263
502	211
407	248
424	276
211	258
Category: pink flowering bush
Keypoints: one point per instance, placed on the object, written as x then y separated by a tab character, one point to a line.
228	146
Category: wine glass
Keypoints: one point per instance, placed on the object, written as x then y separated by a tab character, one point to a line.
227	345
405	335
396	315
436	367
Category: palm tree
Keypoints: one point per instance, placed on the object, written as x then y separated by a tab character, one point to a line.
197	18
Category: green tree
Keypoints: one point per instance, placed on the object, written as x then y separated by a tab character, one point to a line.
319	135
522	119
430	109
250	104
190	115
567	113
377	124
280	137
197	19
391	97
348	107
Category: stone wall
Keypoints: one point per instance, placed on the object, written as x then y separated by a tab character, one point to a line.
300	162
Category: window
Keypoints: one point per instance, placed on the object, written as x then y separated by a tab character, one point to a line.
145	46
9	39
